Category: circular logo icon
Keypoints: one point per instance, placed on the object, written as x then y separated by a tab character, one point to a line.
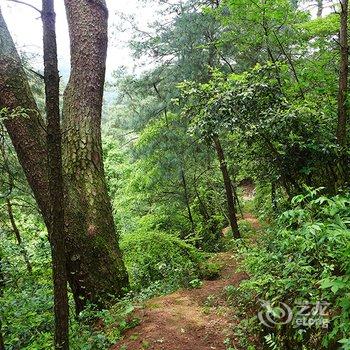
274	314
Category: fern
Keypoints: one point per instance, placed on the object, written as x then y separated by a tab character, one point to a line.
272	342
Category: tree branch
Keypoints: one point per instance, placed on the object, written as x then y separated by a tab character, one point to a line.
26	4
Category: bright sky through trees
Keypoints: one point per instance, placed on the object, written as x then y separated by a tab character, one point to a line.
26	28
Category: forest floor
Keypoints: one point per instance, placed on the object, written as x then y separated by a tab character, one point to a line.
191	319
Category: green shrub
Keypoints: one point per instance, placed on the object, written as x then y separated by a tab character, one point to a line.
159	258
196	283
210	270
306	258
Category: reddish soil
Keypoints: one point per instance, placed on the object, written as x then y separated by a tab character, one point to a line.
195	319
254	222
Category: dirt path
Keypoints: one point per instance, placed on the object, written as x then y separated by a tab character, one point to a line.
191	319
254	222
194	319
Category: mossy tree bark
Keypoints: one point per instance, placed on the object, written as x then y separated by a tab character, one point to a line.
96	269
26	132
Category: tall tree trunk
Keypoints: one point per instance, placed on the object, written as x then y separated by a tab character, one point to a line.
343	74
26	131
18	236
343	91
96	268
56	227
228	188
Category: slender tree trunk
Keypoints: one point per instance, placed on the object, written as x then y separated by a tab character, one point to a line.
343	91
18	236
291	64
319	8
267	44
96	269
187	199
343	74
228	188
56	227
273	197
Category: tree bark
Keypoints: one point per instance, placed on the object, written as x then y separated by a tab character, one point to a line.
56	226
273	197
26	132
343	74
96	268
18	236
228	188
342	93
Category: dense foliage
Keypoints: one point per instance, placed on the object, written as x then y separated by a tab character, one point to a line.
303	260
259	77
